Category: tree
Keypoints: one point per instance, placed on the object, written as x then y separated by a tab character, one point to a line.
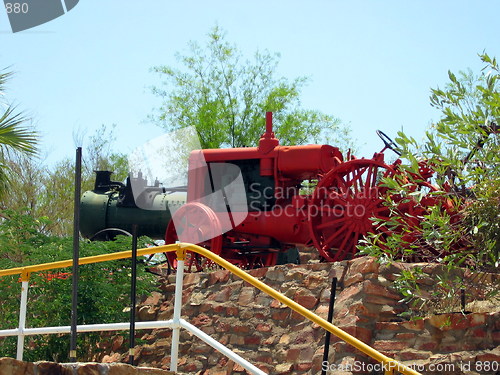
458	221
44	192
463	149
14	136
103	293
99	155
470	106
226	97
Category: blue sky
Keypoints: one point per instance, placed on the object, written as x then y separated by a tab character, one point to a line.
371	63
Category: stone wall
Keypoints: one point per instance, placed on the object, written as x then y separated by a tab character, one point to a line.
10	366
281	341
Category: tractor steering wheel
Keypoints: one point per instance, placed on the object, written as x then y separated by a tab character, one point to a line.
388	142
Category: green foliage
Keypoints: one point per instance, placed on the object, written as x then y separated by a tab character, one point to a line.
49	192
463	149
14	135
456	221
102	296
442	297
482	218
407	285
225	97
430	230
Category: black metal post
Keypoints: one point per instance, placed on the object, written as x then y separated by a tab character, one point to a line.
326	349
133	287
76	252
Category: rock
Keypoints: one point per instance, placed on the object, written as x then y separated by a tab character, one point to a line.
11	366
115	357
51	368
117	343
147	313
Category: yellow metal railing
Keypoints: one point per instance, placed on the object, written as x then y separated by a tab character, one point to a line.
25	271
389	366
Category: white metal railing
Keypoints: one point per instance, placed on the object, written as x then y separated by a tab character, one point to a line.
176	323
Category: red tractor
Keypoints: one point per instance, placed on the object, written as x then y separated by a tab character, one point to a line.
295	195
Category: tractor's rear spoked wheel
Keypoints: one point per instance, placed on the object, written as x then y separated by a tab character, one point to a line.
343	205
417	247
198	224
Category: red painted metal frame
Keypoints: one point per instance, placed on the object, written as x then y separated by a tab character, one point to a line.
285	222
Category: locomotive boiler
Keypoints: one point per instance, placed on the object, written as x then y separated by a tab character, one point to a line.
110	208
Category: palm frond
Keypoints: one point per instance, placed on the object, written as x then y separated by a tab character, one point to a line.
15	136
4	76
